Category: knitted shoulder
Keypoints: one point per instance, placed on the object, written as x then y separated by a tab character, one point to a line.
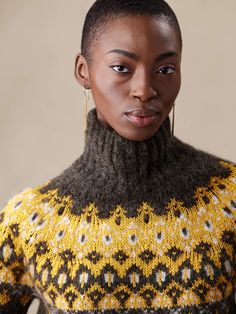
197	170
218	166
230	181
201	162
20	206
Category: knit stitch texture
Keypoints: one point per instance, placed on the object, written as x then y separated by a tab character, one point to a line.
129	227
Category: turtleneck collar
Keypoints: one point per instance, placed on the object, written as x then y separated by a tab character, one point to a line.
115	171
104	147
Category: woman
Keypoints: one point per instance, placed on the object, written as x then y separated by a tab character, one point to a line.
141	222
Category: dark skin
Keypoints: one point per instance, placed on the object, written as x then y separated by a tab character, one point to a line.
134	75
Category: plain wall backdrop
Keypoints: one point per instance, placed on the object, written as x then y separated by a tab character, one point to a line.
41	105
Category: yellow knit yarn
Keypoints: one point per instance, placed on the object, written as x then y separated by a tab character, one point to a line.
142	242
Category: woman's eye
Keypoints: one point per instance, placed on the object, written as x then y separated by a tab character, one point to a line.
120	68
167	70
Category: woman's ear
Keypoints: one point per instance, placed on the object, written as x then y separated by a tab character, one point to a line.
81	71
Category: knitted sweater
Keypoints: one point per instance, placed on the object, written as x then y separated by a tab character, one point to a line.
129	227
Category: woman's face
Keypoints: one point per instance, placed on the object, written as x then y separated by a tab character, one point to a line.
134	75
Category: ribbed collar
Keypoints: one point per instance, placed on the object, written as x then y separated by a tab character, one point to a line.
105	148
115	171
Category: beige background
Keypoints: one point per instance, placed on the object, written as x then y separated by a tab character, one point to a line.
41	111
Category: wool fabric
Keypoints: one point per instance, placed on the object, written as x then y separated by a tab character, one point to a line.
129	227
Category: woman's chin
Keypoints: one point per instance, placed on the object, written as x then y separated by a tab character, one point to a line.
139	135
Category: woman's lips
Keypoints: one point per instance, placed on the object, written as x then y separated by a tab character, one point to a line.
142	117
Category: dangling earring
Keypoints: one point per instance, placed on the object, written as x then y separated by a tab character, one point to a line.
86	103
173	120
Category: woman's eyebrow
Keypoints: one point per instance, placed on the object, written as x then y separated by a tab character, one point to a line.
134	56
166	55
125	53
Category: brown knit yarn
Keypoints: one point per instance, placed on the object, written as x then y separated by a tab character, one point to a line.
113	170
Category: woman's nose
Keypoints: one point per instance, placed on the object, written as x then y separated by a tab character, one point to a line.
142	87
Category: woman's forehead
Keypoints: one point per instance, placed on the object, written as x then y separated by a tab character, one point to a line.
134	32
132	21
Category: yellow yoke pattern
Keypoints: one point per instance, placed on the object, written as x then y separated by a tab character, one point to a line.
83	263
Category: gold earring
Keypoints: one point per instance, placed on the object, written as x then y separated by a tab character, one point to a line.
86	103
173	120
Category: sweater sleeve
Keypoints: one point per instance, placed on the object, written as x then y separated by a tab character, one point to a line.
16	288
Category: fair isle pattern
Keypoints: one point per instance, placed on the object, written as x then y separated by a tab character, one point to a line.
83	264
216	308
